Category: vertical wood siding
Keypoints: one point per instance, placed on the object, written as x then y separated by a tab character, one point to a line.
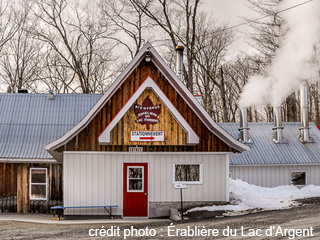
96	179
8	180
8	187
273	176
86	140
15	188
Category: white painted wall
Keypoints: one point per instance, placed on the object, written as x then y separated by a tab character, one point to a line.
272	176
96	178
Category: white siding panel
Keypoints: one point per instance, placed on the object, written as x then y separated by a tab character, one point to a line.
88	191
97	178
101	183
82	179
272	176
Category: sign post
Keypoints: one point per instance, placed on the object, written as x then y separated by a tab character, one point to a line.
181	186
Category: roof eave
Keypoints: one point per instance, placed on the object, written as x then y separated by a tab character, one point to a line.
28	160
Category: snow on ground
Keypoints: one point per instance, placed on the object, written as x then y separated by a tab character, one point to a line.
245	197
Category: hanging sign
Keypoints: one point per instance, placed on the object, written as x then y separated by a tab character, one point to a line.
147	136
147	113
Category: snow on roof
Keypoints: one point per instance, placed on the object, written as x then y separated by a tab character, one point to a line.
265	152
28	122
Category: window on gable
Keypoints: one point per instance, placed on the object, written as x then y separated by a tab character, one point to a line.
38	184
298	178
190	173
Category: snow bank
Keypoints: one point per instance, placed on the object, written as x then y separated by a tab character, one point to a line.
244	197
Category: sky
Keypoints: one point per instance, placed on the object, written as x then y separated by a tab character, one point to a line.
231	12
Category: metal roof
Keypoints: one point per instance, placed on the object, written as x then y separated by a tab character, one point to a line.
28	122
265	152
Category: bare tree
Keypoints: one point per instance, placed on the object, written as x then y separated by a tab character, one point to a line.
8	26
211	46
178	19
265	38
55	75
236	74
78	41
20	63
128	22
265	33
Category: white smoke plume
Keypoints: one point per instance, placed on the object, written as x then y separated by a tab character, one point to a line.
300	31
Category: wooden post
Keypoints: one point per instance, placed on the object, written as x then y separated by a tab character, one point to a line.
23	205
25	183
19	188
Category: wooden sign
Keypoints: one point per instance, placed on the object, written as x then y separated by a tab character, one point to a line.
147	113
173	133
147	136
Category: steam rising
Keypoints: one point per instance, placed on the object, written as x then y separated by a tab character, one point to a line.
292	64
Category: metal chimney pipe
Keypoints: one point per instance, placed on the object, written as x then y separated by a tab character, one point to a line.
179	61
278	135
244	129
51	95
304	130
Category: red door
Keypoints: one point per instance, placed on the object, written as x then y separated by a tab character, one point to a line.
135	190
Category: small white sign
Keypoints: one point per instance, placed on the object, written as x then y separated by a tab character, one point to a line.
135	149
180	186
147	136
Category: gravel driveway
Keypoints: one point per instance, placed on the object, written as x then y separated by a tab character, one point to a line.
305	217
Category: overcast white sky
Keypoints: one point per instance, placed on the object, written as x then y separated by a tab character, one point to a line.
230	12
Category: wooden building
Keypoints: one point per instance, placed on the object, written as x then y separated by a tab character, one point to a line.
30	178
145	134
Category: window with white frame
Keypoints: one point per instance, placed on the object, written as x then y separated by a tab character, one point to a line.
298	178
187	173
38	183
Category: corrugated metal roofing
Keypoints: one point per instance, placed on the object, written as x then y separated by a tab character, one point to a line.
28	122
264	151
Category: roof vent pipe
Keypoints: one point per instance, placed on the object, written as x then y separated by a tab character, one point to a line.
278	135
51	95
244	129
179	66
304	130
22	91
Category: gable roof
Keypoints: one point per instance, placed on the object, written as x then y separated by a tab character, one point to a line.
265	152
174	81
192	138
28	122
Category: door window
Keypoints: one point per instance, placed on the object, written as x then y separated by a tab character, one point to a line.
135	179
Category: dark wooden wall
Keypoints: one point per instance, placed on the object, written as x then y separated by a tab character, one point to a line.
8	180
15	188
87	139
8	187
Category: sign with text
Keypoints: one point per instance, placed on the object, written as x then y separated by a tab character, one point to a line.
147	136
180	186
147	113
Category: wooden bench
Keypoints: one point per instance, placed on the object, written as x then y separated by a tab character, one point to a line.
60	209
